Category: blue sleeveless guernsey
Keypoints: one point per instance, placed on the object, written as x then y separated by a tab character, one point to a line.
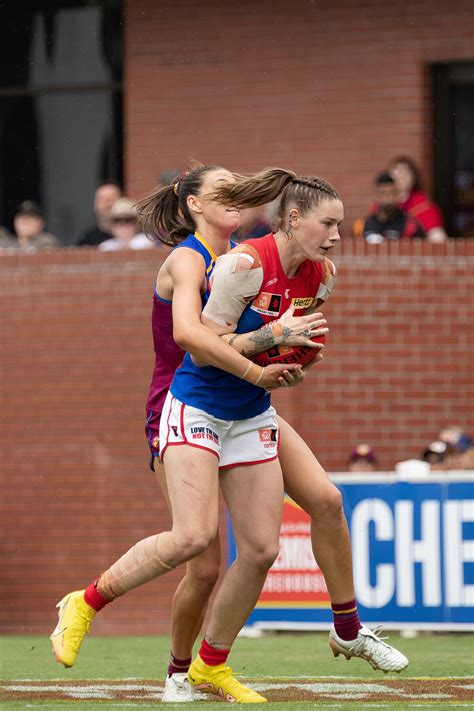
168	355
224	395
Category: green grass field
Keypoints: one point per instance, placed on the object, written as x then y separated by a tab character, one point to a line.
277	656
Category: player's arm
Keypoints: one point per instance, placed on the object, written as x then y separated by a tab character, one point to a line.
191	335
288	330
237	278
325	287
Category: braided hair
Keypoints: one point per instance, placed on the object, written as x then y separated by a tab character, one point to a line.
271	183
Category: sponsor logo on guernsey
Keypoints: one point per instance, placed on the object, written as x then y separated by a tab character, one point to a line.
156	440
270	282
302	302
266	303
268	436
205	433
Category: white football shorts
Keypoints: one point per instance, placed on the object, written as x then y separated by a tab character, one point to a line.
234	442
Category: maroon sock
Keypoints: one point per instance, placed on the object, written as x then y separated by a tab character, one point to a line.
178	666
346	620
211	655
93	597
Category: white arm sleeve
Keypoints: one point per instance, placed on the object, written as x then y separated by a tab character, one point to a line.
233	283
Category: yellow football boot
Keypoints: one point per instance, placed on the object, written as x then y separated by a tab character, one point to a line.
75	617
220	682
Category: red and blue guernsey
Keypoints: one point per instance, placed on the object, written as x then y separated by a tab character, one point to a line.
169	356
224	395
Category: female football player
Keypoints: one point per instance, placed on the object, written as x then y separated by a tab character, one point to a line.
316	219
183	215
290	265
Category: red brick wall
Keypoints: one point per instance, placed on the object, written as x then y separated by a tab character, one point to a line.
333	88
76	357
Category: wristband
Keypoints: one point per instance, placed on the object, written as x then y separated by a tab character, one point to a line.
252	375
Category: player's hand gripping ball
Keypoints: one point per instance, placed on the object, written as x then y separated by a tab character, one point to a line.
289	354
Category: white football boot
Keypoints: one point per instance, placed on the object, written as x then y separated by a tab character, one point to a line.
178	690
369	646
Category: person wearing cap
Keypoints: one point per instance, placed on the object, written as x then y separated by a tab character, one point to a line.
124	228
29	227
387	221
105	196
435	453
362	459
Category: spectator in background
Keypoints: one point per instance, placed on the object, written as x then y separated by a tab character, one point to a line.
30	237
460	453
362	459
454	449
124	229
451	434
388	221
435	453
253	223
414	201
106	195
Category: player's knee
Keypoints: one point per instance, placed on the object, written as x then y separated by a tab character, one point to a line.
328	506
205	577
194	543
263	555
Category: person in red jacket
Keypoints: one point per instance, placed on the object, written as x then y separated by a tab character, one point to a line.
414	201
387	221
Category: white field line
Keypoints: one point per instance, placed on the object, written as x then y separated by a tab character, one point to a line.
357	690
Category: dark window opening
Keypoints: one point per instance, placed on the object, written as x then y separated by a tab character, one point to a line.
453	114
60	108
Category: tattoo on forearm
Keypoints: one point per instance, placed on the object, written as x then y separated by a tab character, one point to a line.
286	333
247	349
263	339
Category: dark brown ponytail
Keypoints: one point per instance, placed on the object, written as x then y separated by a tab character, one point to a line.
164	215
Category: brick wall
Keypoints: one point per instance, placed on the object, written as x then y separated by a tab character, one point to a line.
76	357
333	88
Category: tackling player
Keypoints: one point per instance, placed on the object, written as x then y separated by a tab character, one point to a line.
310	213
180	215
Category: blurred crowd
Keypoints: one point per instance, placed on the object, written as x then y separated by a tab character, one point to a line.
453	449
116	223
401	210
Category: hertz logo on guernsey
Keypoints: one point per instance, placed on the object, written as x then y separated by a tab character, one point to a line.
302	302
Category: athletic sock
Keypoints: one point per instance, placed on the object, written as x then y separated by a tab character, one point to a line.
93	597
178	666
346	620
212	656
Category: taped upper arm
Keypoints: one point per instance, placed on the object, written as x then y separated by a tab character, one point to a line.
326	285
237	277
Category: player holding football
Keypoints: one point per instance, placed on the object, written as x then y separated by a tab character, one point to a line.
310	214
293	269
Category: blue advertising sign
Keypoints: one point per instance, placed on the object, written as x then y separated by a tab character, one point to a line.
413	556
